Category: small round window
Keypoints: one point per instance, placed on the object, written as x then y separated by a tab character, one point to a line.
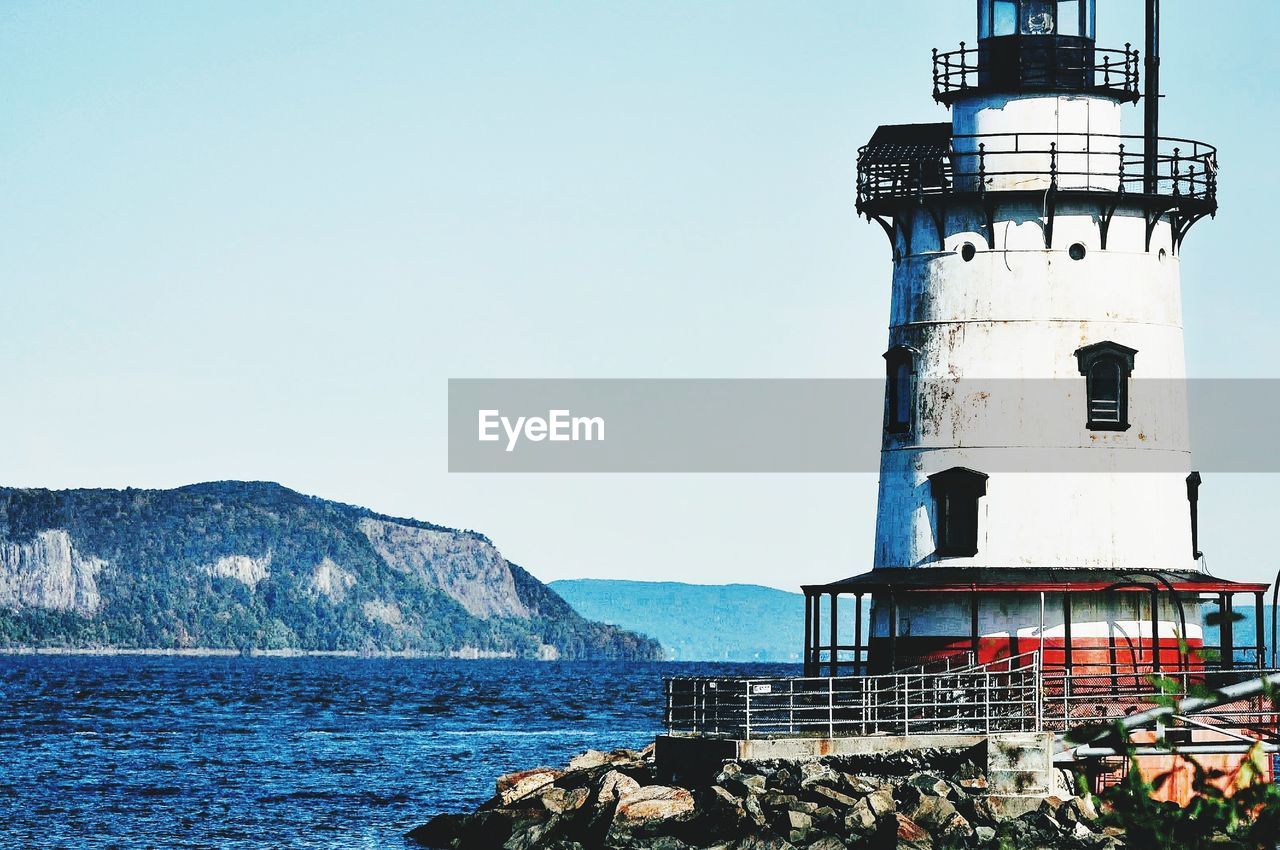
968	252
1077	251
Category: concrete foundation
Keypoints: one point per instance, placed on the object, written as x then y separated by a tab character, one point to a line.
1019	765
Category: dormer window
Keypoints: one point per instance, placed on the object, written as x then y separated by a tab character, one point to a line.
899	394
956	492
1106	367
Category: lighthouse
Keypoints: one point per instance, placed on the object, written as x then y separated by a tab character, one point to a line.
1036	491
1037	570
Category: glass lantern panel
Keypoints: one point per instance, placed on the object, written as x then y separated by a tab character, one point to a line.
1038	17
1069	17
1004	17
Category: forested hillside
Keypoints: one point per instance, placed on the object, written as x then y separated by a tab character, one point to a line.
255	565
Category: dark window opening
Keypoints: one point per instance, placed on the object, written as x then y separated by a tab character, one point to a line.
900	372
956	492
1106	367
1193	496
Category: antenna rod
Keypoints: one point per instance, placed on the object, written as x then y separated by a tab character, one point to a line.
1151	102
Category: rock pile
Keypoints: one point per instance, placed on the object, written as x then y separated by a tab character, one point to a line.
614	800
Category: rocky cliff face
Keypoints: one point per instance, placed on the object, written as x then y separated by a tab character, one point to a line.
467	569
251	564
48	572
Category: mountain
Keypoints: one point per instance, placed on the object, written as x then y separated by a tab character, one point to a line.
697	622
242	565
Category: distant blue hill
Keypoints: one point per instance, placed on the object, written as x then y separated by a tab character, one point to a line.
746	622
697	622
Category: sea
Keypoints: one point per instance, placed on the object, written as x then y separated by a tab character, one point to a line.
251	752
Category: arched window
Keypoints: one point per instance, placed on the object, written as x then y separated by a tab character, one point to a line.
956	492
900	391
1106	367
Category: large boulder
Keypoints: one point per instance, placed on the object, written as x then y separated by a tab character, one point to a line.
614	785
763	841
654	803
907	834
647	813
513	786
559	801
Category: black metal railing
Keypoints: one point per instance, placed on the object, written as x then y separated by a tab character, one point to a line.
1068	67
1185	170
1000	696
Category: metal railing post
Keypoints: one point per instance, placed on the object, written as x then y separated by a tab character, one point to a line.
831	707
791	707
986	697
747	712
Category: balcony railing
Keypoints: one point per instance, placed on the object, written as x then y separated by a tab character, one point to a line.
1185	173
1016	694
1054	67
1001	696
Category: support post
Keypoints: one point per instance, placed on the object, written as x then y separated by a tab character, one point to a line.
817	635
1155	629
1257	620
893	632
835	634
1066	629
974	637
1228	659
808	633
858	653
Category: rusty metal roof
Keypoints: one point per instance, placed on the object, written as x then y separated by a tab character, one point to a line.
895	144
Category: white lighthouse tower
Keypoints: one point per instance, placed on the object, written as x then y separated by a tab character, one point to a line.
1036	482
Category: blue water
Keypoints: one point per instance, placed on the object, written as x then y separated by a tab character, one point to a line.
132	752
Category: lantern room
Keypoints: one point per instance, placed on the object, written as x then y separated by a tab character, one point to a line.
1040	18
1036	46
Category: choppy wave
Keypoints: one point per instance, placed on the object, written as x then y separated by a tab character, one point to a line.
181	752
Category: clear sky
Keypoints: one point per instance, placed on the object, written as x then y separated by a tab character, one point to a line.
254	240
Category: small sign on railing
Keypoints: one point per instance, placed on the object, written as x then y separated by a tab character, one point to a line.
762	689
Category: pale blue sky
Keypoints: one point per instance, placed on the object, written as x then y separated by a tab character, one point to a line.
254	240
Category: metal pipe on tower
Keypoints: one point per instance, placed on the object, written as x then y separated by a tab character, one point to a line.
1151	100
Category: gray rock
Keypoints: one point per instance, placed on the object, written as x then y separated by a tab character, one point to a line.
759	841
743	784
513	786
1084	809
654	803
796	825
589	759
827	842
881	801
931	812
614	785
860	785
984	834
930	784
530	834
561	800
814	771
860	819
827	793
